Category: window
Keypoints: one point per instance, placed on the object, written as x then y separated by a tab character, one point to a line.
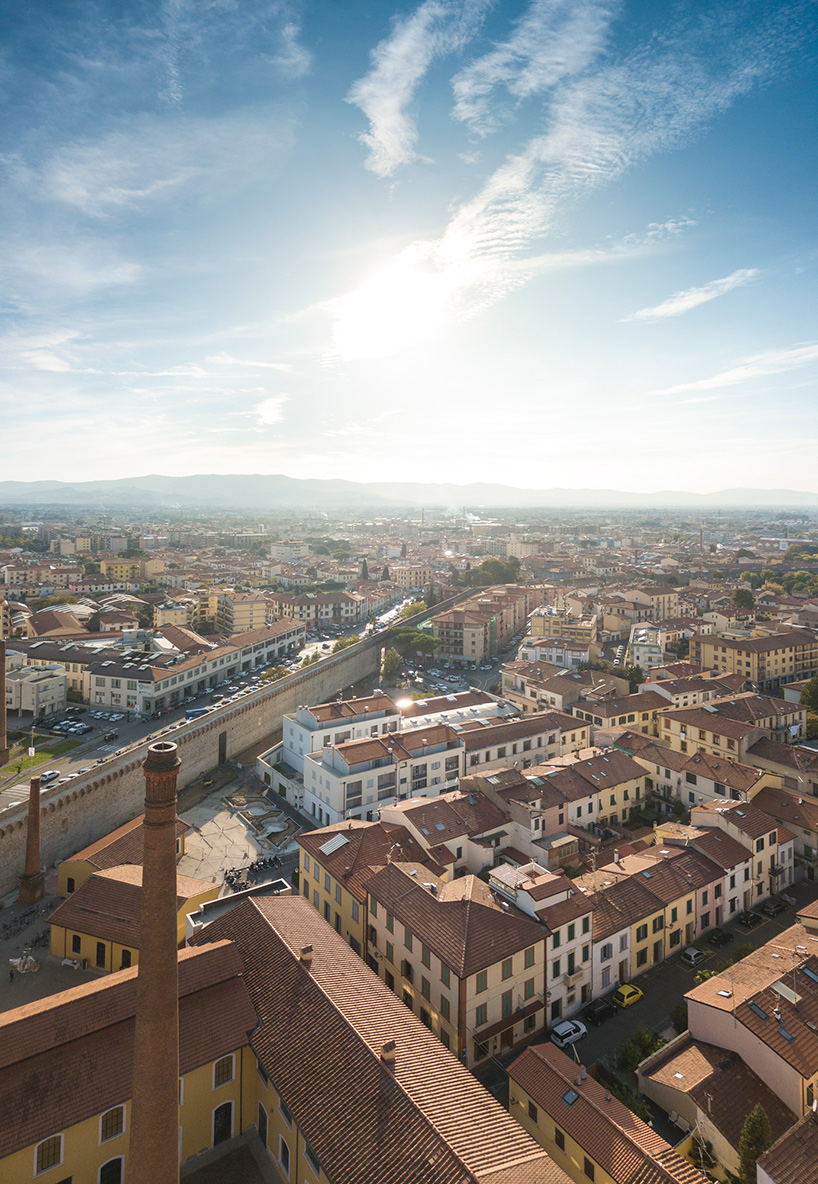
112	1123
223	1071
285	1114
586	924
48	1153
480	1050
586	953
658	923
507	968
559	1138
327	882
642	933
425	988
445	976
481	1015
312	1159
337	893
674	916
445	1008
607	951
425	955
284	1156
125	960
110	1172
689	906
390	922
69	884
588	1168
390	952
407	941
555	968
533	1113
555	940
306	863
76	943
641	957
528	988
507	1002
356	911
482	980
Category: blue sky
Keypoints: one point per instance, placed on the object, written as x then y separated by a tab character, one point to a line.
548	243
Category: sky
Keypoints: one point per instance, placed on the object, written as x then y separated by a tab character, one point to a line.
547	243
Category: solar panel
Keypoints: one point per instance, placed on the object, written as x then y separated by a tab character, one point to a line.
333	844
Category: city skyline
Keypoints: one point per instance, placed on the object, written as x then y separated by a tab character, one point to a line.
564	244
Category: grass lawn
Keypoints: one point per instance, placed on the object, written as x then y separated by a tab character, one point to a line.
42	755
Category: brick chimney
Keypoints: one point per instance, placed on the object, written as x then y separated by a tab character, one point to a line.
32	881
4	736
154	1141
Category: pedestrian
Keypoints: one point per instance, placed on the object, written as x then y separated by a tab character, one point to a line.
11	974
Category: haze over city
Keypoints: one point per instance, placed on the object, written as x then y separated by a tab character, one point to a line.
543	244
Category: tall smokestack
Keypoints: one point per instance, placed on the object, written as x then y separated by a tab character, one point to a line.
4	735
154	1143
32	881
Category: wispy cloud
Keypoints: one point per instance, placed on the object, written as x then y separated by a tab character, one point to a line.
399	63
683	302
154	160
225	359
553	41
600	125
772	361
292	59
271	411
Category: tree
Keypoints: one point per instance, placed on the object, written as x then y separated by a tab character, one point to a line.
385	572
411	610
809	695
364	570
743	598
754	1140
391	663
403	551
407	640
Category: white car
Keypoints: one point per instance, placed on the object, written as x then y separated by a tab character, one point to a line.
49	775
113	718
568	1032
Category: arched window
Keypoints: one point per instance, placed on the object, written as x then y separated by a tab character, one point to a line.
111	1172
48	1154
112	1123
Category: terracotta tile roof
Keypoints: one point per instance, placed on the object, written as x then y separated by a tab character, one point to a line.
793	1158
705	721
123	845
107	904
684	1065
790	1030
460	922
576	906
760	645
69	1056
744	816
608	1132
427	1120
722	848
452	815
764	966
791	756
399	746
478	735
350	708
788	808
630	705
369	845
729	1095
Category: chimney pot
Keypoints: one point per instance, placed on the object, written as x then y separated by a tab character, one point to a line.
388	1054
306	956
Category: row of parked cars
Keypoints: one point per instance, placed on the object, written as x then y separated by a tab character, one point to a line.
568	1032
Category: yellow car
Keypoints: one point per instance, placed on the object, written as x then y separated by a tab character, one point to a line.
627	994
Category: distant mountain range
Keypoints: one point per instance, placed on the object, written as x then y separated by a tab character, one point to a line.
209	493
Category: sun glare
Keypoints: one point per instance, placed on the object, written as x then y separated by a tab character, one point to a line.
401	304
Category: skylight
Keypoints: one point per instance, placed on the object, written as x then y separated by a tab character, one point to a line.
570	1097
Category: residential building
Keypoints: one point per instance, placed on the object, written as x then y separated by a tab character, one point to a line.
593	1137
462	829
122	846
499	744
352	779
772	846
766	662
239	612
471	969
99	923
40	690
792	1158
337	862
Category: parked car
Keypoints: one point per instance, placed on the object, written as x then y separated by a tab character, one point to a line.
749	919
692	956
111	736
719	937
599	1011
627	995
568	1032
49	775
773	906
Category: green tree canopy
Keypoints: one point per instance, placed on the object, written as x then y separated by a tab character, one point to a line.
754	1140
809	695
391	663
743	598
408	641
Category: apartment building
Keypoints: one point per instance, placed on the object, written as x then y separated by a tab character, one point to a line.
498	744
353	779
662	600
675	776
549	623
565	654
637	711
772	847
590	1135
132	571
40	690
540	686
317	609
598	788
465	635
766	663
765	1009
471	969
461	829
337	862
239	612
